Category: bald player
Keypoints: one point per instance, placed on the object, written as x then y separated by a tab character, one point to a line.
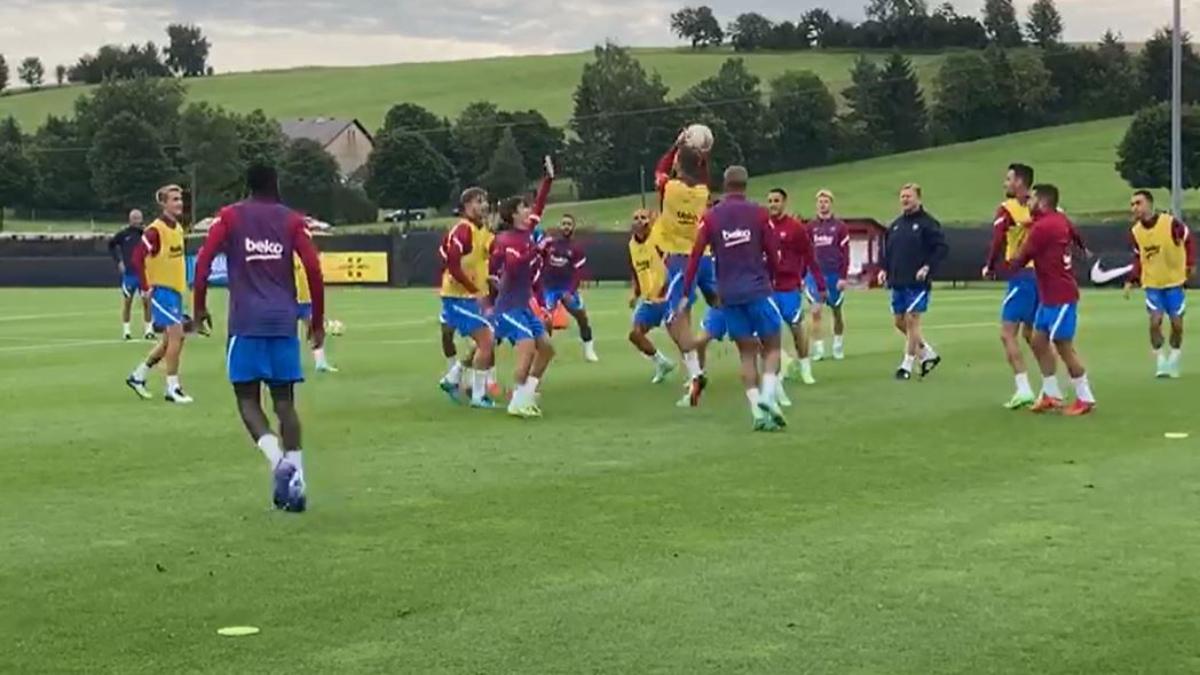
121	248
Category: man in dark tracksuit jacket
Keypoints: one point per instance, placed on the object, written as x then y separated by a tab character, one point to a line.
914	248
120	247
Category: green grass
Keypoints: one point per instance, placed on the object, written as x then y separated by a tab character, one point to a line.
544	83
895	528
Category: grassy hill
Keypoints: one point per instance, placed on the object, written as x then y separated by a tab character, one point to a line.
544	83
962	182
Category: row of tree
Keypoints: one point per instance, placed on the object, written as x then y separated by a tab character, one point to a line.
127	138
890	23
185	56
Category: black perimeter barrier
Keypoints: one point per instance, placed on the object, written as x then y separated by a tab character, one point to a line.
413	260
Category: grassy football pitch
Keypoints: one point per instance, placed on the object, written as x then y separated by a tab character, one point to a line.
894	528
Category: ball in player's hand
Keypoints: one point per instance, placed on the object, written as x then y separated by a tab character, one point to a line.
698	137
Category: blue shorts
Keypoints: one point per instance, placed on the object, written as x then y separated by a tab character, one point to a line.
706	277
833	297
1021	301
1057	321
1169	301
166	307
518	324
706	280
304	311
714	324
910	300
130	285
758	318
553	296
463	315
790	305
273	360
649	314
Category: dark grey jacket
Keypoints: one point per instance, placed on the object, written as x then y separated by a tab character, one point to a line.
914	240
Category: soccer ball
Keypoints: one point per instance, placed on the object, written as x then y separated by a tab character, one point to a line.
334	327
699	137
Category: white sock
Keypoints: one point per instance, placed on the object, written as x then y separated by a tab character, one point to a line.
141	372
319	356
928	352
819	346
1050	387
269	444
660	358
1023	386
296	459
532	382
692	361
149	327
837	341
454	371
172	382
1175	355
478	385
1083	390
752	395
806	365
589	344
491	375
770	386
125	327
907	364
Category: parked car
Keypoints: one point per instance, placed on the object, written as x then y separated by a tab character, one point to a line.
404	215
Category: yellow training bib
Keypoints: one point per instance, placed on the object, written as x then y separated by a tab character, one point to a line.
682	208
1164	262
167	268
649	267
474	263
1022	219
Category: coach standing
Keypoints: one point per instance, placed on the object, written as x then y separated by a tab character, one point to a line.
914	248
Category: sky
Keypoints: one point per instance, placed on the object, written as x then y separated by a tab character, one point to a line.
264	34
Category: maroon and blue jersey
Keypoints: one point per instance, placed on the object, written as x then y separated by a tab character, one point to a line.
259	239
831	244
562	263
516	257
744	246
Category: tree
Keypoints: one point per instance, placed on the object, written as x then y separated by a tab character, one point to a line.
750	31
698	25
864	121
3	74
412	117
1000	20
187	55
63	177
804	110
967	99
154	101
618	123
1037	93
900	106
506	172
16	176
112	62
60	74
733	95
10	132
127	162
260	139
31	72
1144	156
1045	26
886	11
535	138
211	156
946	28
1117	93
476	133
1154	68
406	171
308	179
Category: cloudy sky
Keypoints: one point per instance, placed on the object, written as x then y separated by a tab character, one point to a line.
257	34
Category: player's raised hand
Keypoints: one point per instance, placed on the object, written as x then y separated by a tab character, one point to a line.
316	334
548	163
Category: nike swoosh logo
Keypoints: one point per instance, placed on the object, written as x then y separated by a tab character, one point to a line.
1103	276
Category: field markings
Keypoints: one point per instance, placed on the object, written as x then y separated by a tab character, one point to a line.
36	317
61	345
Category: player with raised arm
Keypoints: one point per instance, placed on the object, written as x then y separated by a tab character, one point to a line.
682	179
649	303
1048	246
259	237
519	260
121	247
1019	309
160	265
796	260
746	258
465	254
914	248
831	245
563	261
1164	260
